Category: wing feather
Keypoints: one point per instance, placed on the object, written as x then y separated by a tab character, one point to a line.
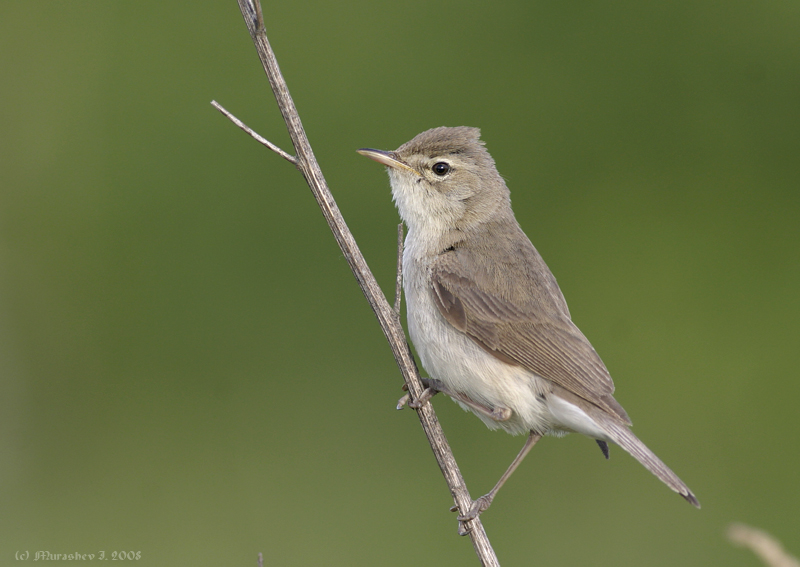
537	335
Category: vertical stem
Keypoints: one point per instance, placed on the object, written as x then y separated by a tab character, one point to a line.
398	287
390	324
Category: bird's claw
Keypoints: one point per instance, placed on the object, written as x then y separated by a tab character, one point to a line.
424	398
401	403
476	508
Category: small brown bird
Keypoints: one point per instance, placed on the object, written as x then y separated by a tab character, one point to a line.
485	313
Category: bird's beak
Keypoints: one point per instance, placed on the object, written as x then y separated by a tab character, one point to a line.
389	159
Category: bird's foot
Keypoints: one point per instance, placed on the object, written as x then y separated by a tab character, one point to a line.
476	509
429	391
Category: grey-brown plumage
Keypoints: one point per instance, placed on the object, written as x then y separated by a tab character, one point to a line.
532	330
488	319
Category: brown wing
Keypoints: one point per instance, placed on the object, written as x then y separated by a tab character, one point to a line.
542	340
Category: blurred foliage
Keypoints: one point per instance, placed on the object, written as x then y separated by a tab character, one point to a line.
187	368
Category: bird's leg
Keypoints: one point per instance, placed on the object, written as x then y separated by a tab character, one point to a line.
482	503
495	413
433	387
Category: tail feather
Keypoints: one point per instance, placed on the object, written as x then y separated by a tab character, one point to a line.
625	438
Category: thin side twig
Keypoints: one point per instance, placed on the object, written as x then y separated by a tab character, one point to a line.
389	322
290	158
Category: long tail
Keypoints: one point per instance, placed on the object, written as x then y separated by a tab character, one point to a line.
623	437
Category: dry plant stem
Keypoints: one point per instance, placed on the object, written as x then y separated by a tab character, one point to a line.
398	288
390	323
762	544
291	159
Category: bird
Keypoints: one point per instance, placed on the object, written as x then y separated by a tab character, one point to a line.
485	313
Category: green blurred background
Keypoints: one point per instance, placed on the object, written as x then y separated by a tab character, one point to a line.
187	368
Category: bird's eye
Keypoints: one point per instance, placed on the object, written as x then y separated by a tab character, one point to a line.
441	168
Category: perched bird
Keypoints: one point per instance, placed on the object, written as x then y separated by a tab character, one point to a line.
487	318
